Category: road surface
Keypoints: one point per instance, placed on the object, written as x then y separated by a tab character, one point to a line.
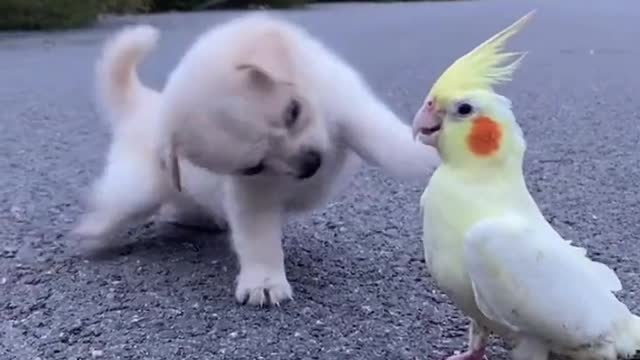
356	266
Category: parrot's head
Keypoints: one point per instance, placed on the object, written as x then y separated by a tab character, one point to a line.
463	117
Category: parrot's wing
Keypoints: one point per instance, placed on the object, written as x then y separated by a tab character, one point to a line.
425	234
526	277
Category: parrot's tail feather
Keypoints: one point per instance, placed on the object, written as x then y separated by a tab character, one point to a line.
628	339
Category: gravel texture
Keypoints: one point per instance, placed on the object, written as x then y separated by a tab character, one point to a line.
357	265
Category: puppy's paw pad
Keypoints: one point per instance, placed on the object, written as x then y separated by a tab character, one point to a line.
259	287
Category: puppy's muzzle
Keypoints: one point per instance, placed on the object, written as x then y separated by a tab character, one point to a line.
310	161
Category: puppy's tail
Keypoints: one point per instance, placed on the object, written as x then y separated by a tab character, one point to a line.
118	85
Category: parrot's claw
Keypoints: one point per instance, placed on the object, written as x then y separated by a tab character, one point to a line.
469	355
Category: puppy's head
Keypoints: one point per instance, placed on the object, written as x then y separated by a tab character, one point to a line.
263	120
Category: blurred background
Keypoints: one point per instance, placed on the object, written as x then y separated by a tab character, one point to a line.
64	14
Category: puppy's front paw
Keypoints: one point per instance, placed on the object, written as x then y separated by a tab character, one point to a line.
260	286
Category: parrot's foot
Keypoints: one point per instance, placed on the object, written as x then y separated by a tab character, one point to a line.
478	339
470	355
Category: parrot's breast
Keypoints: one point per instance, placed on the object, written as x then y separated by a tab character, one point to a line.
450	208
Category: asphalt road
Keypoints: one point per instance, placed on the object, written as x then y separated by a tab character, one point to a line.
356	266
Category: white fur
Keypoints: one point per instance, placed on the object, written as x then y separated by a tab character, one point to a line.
223	122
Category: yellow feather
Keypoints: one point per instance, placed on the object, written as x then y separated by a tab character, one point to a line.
482	67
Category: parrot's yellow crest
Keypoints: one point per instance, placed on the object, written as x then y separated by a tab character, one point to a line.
482	67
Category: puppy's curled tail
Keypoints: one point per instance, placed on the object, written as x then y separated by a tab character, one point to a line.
118	84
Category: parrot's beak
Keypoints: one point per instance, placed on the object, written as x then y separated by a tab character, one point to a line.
427	123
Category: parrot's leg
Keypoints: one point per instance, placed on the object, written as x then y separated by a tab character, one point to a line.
478	339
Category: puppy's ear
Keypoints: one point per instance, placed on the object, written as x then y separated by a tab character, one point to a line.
173	167
268	62
258	77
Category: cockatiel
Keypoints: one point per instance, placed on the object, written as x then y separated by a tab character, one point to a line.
487	244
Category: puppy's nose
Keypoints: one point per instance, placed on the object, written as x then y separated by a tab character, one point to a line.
310	162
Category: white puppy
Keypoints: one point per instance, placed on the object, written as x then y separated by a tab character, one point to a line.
258	120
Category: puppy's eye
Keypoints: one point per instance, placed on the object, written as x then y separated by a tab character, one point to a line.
464	109
292	113
254	170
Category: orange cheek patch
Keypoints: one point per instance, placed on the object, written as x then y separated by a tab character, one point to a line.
485	136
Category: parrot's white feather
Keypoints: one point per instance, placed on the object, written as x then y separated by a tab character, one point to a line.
581	250
486	242
510	262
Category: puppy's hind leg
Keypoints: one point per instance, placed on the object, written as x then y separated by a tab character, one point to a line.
199	206
128	191
256	221
189	215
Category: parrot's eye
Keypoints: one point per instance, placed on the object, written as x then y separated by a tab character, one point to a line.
464	109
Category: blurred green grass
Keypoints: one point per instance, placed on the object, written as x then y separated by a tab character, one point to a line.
67	14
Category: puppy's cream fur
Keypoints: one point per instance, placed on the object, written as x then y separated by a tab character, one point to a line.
226	112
